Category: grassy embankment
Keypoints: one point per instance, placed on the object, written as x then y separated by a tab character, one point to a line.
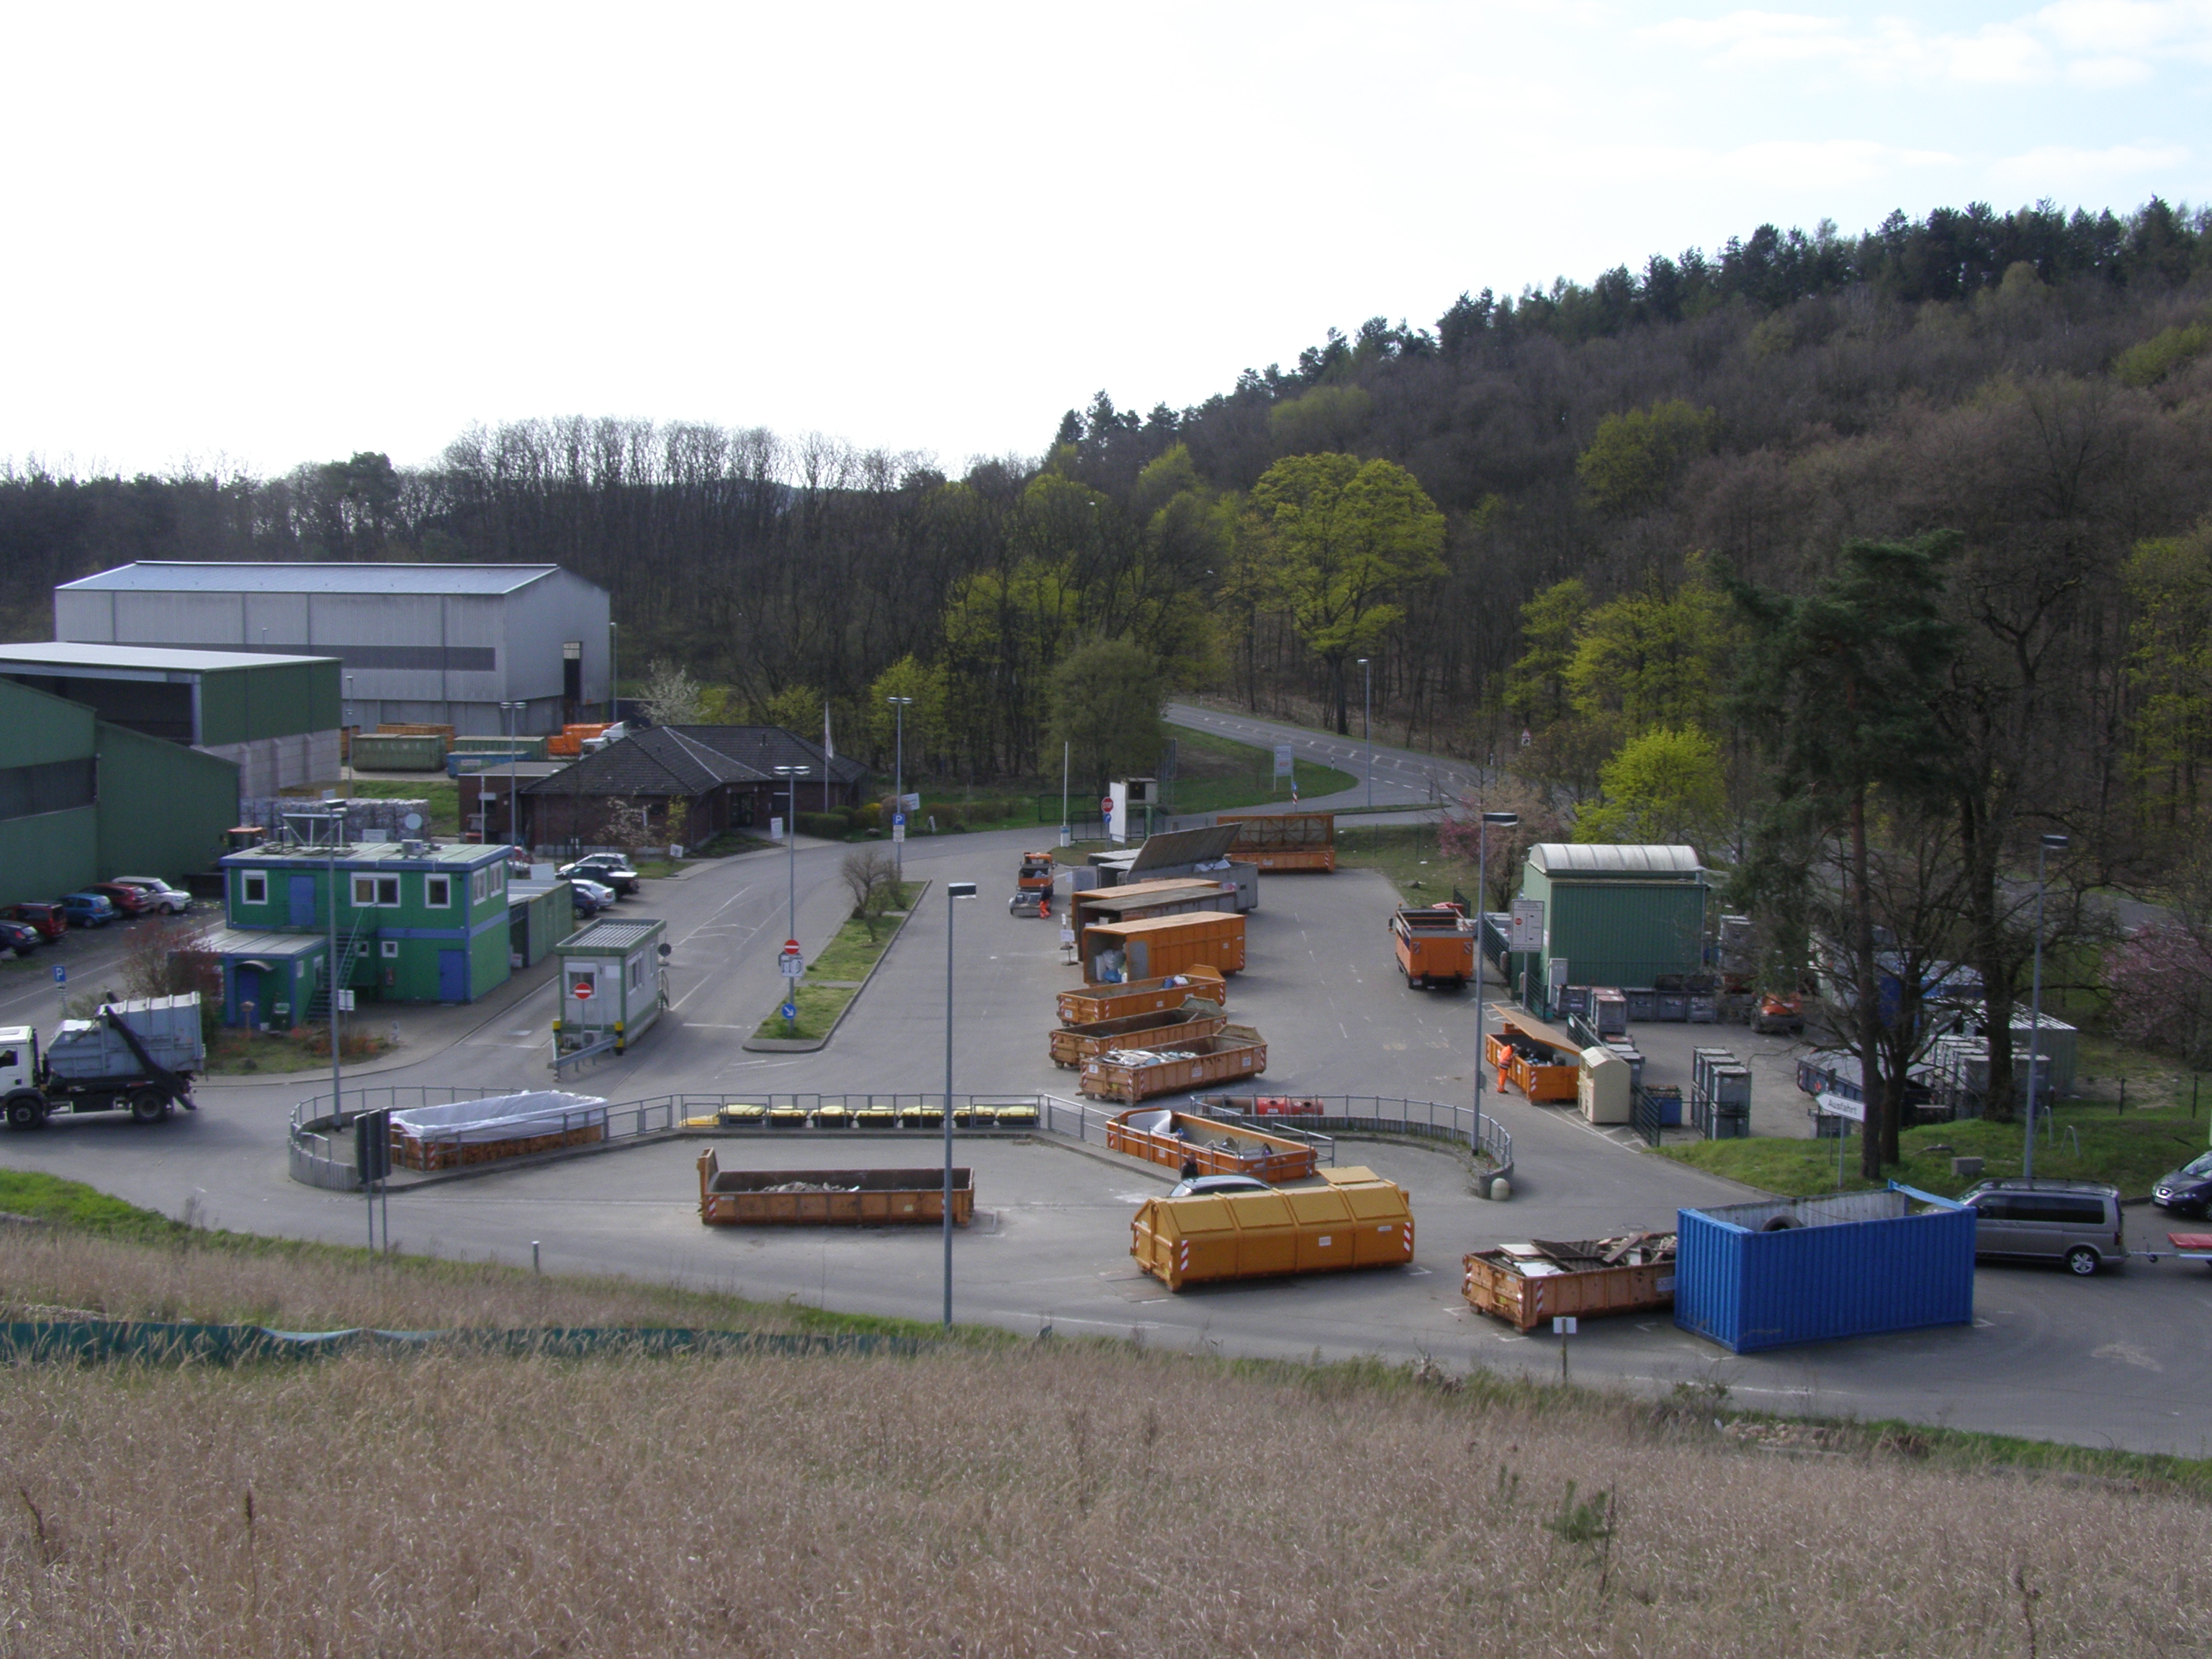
2127	1136
1214	774
833	978
988	1495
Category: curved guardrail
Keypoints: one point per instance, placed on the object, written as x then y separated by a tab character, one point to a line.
321	1152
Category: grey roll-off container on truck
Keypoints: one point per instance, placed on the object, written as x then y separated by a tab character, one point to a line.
138	1056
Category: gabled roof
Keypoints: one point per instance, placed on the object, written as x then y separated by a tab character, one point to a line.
690	760
179	576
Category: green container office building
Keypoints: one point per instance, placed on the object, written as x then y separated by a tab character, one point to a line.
417	922
1618	915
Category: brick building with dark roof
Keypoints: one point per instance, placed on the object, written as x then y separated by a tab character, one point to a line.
723	776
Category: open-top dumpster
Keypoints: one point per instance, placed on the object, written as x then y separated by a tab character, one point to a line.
1120	953
1542	1063
1135	1074
1354	1218
1527	1284
1095	1003
1192	1023
1181	1141
1435	945
1285	842
853	1198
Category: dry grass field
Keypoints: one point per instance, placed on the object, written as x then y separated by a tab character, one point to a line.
1030	1499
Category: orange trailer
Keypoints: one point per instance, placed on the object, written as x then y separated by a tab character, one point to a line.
1435	945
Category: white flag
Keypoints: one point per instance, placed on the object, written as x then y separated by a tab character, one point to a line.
829	748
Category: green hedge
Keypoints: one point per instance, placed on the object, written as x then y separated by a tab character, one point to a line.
830	826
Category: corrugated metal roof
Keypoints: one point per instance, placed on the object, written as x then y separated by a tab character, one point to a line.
232	942
611	935
68	653
176	577
1559	858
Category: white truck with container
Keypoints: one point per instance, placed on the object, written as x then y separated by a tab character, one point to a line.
138	1056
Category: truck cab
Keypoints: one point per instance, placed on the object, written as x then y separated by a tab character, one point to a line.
19	1058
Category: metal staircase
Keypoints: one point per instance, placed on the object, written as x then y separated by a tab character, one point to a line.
352	947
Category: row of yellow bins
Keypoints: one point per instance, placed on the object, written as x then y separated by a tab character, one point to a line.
1354	1218
865	1117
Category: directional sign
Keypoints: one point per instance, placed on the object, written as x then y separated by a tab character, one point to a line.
791	1011
1283	760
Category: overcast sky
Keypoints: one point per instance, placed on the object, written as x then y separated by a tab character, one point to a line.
257	237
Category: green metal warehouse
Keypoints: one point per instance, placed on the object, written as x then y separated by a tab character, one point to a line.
1618	915
417	922
82	799
275	717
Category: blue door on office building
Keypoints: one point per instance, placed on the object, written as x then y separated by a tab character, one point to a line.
300	890
452	976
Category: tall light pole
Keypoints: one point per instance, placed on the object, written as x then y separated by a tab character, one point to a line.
511	715
791	775
1367	721
898	788
611	704
953	889
1502	821
347	718
2050	844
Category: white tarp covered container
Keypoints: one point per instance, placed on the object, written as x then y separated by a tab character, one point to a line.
502	1117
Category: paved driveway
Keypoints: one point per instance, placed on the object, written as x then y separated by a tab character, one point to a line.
2117	1359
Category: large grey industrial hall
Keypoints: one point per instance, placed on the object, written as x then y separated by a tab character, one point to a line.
433	644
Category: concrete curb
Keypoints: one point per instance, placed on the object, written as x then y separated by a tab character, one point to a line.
815	1045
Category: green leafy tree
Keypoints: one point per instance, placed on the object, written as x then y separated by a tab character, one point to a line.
1106	707
1667	787
1638	456
1551	623
2170	671
925	715
797	709
1843	684
1653	659
1345	541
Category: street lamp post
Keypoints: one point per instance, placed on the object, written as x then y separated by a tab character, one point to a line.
898	787
791	775
1502	821
346	738
2049	844
953	889
1367	722
611	704
511	716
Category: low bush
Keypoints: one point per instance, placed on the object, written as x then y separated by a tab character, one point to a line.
829	826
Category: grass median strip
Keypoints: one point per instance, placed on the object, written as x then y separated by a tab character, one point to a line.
833	978
2093	1143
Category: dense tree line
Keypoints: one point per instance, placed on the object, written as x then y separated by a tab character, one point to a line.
2033	379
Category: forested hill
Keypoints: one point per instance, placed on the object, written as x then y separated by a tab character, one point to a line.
2038	381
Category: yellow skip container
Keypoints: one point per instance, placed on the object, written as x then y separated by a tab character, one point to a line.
1354	1219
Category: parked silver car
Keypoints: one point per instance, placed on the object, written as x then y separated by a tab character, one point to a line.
2075	1222
169	901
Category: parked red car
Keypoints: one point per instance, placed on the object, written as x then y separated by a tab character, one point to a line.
43	915
128	900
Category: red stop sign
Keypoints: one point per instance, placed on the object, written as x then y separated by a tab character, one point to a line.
1106	805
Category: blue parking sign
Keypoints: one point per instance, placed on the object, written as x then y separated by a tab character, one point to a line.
61	974
898	820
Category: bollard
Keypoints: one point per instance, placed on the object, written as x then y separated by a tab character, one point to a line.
533	1256
1501	1189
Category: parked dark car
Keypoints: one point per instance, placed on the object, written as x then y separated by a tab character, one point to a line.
89	909
20	937
608	869
2187	1190
128	901
45	914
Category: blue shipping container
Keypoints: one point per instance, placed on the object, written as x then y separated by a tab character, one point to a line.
1768	1275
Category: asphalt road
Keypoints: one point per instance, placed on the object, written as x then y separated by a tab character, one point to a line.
2118	1359
1403	777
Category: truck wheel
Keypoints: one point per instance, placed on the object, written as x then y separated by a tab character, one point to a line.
26	1111
147	1106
